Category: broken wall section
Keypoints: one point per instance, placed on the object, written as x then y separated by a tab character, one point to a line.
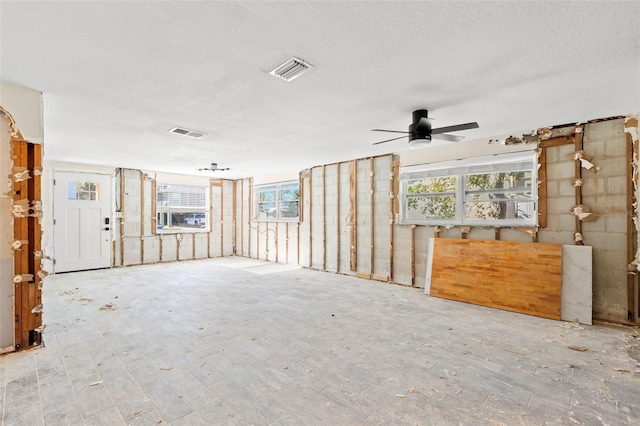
136	239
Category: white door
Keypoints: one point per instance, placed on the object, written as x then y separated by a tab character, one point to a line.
81	226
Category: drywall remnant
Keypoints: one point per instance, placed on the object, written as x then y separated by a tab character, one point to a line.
577	237
21	278
584	213
17	244
15	133
631	131
577	182
585	161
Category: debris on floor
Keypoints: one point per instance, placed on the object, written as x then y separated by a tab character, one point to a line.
108	307
578	348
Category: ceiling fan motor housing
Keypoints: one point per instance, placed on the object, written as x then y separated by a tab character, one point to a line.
420	129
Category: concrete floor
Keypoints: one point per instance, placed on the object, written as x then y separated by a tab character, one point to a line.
236	342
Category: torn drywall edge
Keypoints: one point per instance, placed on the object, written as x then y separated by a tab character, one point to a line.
631	131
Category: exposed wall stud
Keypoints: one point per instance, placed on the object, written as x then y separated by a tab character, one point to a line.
393	202
242	217
372	218
221	218
542	187
413	255
353	211
249	217
324	218
309	197
276	241
338	219
160	247
496	235
234	219
578	189
122	215
154	212
141	218
286	242
631	130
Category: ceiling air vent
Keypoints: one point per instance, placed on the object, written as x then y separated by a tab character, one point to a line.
187	132
291	69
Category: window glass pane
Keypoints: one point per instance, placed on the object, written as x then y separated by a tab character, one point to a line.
509	209
497	195
288	209
490	181
84	191
181	208
432	184
434	207
276	202
173	196
266	210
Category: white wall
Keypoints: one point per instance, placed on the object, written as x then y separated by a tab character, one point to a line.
25	106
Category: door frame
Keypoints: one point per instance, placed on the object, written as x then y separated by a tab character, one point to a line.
56	172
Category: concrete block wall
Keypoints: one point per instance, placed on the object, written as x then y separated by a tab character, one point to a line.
605	141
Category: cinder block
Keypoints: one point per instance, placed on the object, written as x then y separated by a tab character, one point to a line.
611	166
566	222
615	241
566	188
564	151
615	260
615	221
555	237
552	188
609	129
559	171
616	147
596	239
592	184
560	205
552	154
553	223
509	234
616	185
594	148
609	203
596	226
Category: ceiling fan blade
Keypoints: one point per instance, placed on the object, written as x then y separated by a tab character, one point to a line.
456	128
390	131
389	140
445	137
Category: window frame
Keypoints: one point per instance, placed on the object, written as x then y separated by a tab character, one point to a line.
186	210
526	161
278	187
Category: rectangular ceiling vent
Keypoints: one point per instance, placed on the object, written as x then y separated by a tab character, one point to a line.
291	69
187	132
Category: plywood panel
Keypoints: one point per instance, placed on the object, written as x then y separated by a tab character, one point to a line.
514	276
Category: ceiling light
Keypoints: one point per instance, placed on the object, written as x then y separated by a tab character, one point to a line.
187	132
291	69
419	142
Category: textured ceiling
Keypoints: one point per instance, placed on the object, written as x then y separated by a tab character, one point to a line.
116	76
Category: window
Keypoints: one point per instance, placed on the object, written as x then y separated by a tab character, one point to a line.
277	202
182	208
491	191
85	191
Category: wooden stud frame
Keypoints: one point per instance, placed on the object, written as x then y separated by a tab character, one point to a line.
633	310
27	292
578	189
353	211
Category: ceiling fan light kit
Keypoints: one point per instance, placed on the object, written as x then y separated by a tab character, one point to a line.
420	131
214	168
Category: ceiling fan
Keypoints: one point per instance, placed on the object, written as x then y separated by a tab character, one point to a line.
214	168
421	132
